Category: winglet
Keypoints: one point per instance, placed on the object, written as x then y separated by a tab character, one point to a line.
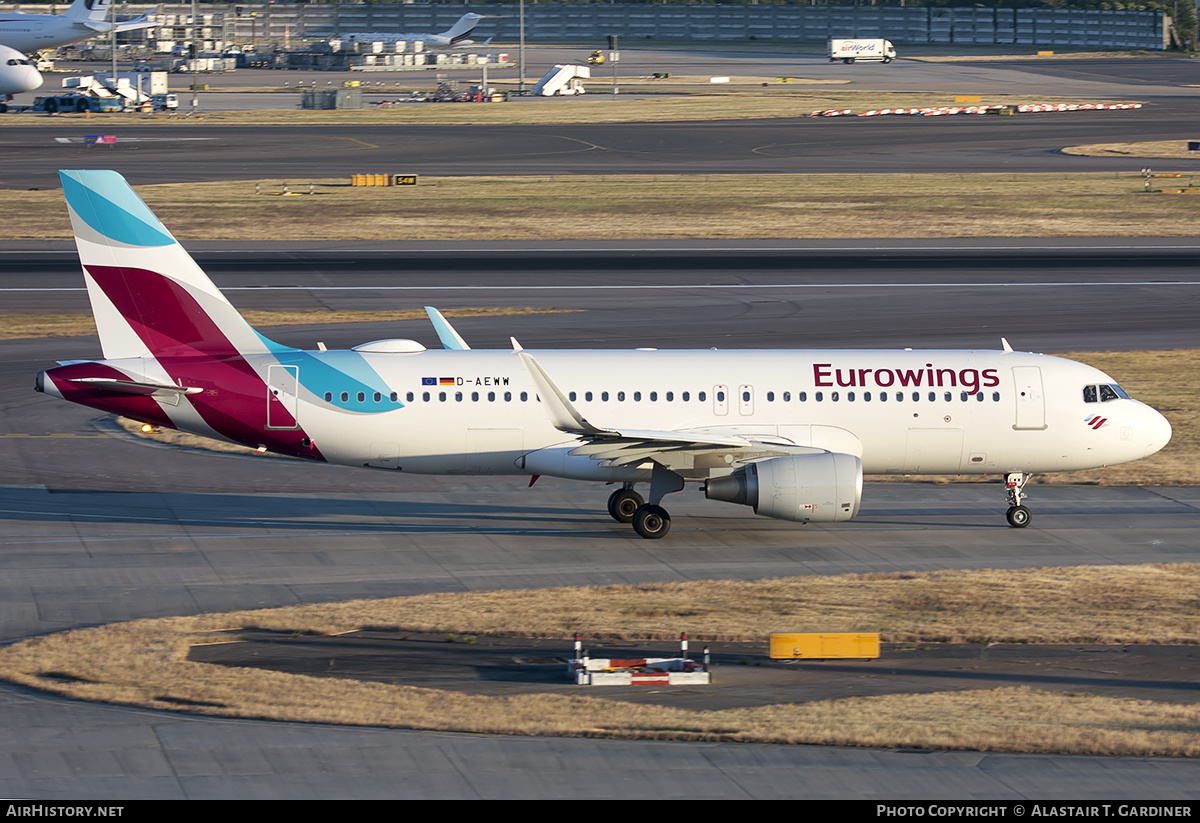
1004	342
563	414
450	338
517	347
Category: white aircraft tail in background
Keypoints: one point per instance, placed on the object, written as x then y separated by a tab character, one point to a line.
788	433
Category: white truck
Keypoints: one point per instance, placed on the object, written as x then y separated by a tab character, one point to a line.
872	50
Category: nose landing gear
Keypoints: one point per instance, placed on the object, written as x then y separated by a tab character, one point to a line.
1018	516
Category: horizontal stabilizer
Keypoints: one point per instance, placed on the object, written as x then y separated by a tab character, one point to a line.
132	387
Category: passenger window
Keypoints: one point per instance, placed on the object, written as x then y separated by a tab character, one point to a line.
491	397
345	397
867	396
587	396
787	397
653	396
833	396
850	396
670	396
949	397
425	396
620	397
508	397
524	396
637	397
899	396
687	396
458	396
964	397
996	397
1089	394
328	396
883	397
442	396
702	395
819	396
802	396
571	396
377	397
475	396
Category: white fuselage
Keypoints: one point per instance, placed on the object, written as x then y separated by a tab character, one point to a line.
30	33
901	412
17	73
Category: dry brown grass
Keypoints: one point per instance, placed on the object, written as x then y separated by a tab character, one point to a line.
1161	149
30	326
651	206
679	101
145	662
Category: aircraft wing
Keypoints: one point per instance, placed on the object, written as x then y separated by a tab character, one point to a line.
142	22
625	446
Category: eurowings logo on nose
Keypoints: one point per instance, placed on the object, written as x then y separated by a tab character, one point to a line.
1096	421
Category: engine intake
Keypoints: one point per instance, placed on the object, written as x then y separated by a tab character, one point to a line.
807	488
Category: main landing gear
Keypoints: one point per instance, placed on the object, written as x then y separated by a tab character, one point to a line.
649	520
1018	516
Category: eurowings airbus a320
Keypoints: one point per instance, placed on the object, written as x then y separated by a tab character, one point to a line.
788	433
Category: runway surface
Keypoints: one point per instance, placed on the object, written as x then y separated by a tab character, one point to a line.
191	151
98	528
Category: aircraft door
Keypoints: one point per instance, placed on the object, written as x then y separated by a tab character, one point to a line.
1030	402
283	390
721	399
746	400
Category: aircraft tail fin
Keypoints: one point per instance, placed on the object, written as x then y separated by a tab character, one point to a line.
461	29
93	11
148	295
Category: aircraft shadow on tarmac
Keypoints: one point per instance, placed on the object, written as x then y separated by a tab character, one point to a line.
311	513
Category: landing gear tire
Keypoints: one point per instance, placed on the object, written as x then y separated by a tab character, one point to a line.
1019	517
623	505
651	522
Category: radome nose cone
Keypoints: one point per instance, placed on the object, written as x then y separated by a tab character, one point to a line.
1158	431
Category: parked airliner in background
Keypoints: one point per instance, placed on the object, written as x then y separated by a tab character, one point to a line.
789	433
30	33
17	74
455	36
26	34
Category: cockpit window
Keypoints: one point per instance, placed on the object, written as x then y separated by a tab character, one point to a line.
1104	393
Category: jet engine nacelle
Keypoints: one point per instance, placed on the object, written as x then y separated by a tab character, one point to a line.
816	488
